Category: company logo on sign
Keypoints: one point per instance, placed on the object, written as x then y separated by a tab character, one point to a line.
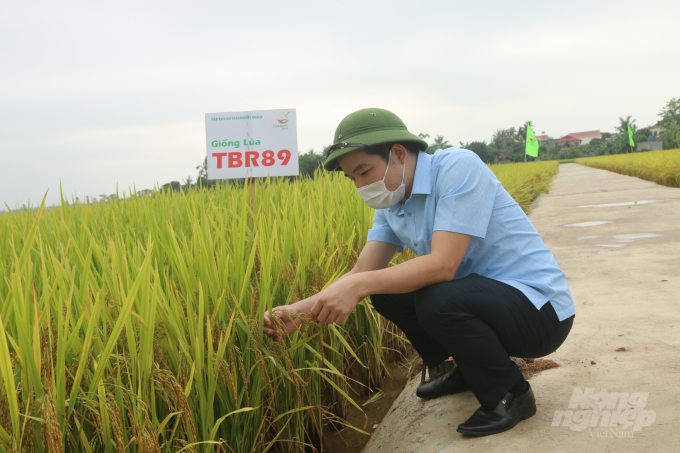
282	123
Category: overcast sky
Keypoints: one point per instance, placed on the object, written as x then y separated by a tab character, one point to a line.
102	93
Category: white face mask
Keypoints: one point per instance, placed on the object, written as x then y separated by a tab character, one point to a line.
377	196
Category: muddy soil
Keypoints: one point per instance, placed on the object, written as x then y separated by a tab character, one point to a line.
350	441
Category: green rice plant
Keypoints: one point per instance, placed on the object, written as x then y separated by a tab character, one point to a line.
136	325
661	167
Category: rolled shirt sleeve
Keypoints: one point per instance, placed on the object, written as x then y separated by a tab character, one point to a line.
382	231
465	191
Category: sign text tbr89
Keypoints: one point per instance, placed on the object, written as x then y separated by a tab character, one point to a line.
236	159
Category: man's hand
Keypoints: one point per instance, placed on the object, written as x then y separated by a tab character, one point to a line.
285	323
335	303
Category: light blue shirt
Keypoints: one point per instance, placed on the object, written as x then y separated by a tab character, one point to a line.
453	190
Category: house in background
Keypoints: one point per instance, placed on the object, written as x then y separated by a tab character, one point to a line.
655	130
574	139
587	136
568	141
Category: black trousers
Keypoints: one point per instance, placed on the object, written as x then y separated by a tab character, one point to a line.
479	322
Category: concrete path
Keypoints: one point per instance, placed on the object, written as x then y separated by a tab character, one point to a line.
622	261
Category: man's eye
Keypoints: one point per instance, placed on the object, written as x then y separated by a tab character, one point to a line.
364	173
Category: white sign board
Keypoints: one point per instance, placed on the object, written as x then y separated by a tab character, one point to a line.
260	143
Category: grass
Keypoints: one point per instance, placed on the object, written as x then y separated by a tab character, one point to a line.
136	325
661	167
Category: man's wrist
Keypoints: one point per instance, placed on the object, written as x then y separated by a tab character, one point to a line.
304	305
293	308
360	284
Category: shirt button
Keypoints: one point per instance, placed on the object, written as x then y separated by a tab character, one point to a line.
408	214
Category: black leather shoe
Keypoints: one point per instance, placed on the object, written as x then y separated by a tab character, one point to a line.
506	415
447	384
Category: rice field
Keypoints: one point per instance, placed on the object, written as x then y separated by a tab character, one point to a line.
526	181
136	325
661	167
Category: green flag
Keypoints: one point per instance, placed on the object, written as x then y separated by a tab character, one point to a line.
630	137
532	143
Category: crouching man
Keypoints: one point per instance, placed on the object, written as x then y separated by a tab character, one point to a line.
484	286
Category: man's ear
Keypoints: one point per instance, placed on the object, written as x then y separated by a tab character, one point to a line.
399	152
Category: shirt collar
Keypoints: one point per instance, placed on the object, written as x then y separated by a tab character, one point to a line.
421	181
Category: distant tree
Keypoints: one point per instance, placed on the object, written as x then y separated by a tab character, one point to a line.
102	198
202	169
670	112
309	162
501	142
598	150
571	153
618	144
597	142
172	185
522	130
504	138
623	124
187	182
518	151
670	119
642	135
547	152
671	135
439	143
610	146
482	150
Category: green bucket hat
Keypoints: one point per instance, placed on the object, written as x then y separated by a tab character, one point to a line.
368	127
